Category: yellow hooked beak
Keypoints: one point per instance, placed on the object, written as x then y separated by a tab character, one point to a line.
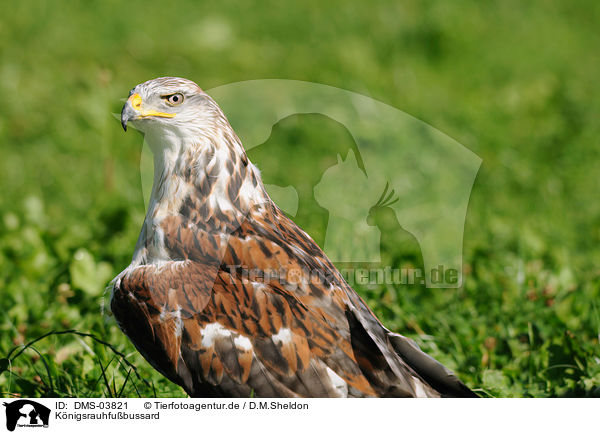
133	110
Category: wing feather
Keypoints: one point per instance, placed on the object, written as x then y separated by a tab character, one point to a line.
219	332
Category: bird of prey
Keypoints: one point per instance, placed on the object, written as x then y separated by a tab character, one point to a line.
228	297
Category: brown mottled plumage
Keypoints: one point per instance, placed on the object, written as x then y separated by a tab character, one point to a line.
226	296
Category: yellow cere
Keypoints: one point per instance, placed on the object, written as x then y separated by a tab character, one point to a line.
136	103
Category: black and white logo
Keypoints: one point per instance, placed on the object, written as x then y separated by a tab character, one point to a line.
25	413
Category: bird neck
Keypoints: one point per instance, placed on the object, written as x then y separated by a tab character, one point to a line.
208	172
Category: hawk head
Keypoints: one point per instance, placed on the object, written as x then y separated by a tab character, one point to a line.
170	104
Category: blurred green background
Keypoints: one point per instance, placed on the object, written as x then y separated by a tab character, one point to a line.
515	82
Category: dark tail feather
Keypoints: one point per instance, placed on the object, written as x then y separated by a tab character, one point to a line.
433	372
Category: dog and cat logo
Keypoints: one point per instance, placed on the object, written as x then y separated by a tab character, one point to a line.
25	413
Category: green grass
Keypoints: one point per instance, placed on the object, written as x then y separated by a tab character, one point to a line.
516	83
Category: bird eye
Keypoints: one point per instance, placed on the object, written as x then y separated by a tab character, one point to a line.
174	99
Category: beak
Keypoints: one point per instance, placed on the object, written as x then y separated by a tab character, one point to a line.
133	110
127	114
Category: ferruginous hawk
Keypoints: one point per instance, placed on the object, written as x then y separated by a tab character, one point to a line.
226	296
